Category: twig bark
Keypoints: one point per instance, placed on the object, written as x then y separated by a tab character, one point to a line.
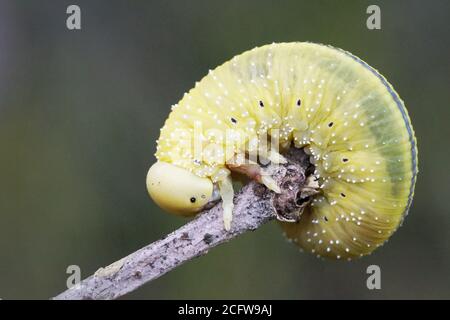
254	206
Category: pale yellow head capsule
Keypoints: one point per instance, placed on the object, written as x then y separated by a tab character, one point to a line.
177	190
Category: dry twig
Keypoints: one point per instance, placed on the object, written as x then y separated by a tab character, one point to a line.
254	206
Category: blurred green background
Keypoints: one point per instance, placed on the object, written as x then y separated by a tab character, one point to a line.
80	112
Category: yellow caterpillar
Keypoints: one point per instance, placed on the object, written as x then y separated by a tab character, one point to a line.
344	114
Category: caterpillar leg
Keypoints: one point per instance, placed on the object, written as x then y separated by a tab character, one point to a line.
275	157
227	193
257	172
270	183
268	156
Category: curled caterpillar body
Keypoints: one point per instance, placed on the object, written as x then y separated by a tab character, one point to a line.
344	114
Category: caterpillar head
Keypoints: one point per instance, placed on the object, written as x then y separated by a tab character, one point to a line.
177	190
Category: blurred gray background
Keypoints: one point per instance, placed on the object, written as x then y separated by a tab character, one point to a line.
80	112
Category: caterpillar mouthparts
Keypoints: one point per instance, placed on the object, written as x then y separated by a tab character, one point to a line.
341	111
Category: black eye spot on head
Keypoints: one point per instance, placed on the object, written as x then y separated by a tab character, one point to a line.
343	195
325	218
344	159
330	124
193	199
261	104
233	120
299	102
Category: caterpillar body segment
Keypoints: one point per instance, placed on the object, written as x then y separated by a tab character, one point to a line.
344	114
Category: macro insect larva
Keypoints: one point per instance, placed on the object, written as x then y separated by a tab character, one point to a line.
341	111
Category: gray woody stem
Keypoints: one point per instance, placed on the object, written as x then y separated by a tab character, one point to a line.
254	206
